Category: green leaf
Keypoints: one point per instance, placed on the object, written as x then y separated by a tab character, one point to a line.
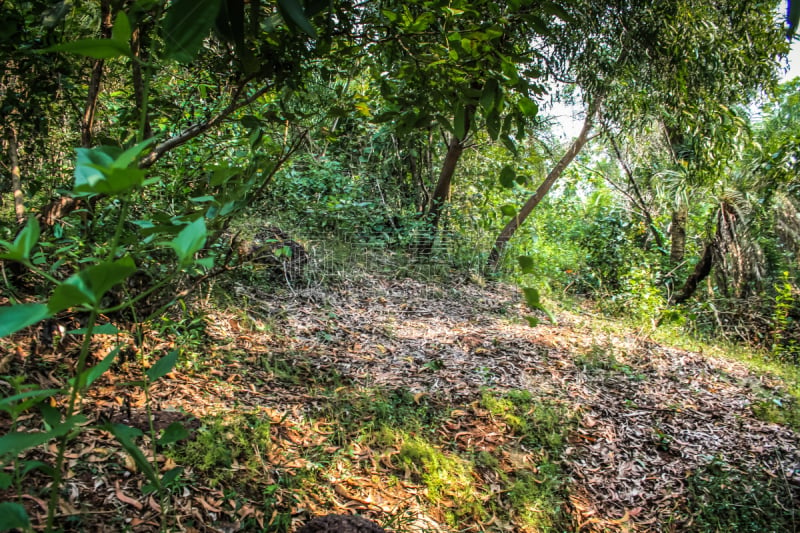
533	300
186	25
13	516
50	414
128	157
15	443
90	375
525	264
528	107
507	176
489	95
36	395
532	297
173	433
509	144
30	466
163	366
72	292
21	249
16	317
292	12
94	48
89	285
189	241
792	17
508	210
493	124
171	475
126	436
121	32
108	170
460	122
532	321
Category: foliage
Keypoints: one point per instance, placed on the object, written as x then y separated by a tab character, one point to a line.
724	498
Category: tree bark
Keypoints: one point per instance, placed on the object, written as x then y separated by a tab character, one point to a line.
574	149
677	233
138	80
441	194
87	123
16	179
701	271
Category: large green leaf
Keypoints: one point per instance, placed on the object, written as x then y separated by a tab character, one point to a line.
118	45
460	122
489	95
173	433
16	317
187	24
792	16
163	366
526	264
189	241
13	516
89	285
15	443
21	249
507	176
293	13
94	48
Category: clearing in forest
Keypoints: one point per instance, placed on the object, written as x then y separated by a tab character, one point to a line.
431	407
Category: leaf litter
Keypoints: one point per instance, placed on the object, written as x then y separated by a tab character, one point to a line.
649	415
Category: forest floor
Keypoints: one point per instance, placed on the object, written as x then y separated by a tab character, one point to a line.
426	407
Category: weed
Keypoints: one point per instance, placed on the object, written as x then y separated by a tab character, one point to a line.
221	443
724	499
777	411
540	424
448	478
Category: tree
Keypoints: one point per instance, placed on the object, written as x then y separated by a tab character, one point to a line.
463	66
682	61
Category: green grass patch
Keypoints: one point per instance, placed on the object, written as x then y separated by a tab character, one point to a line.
724	499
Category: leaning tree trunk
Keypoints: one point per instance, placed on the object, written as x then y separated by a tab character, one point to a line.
16	179
574	149
701	271
441	194
677	232
723	241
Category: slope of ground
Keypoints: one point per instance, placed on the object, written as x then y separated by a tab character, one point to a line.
430	408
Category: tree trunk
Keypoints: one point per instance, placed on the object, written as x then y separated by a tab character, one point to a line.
577	145
441	194
678	234
16	180
138	81
87	123
701	271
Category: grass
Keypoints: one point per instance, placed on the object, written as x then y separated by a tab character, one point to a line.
463	485
726	499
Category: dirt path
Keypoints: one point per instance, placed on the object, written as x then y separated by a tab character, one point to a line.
649	416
